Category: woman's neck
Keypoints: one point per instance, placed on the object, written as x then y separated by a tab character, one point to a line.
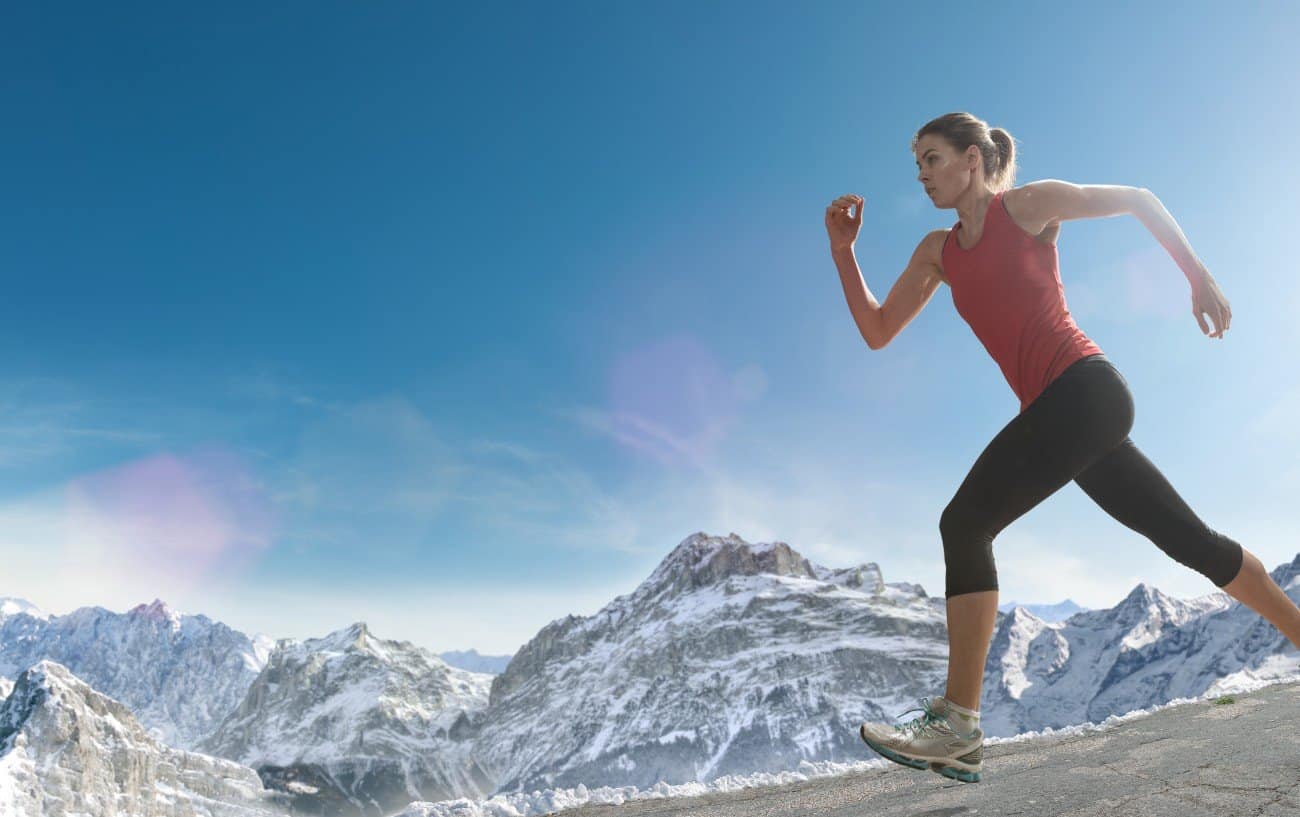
972	211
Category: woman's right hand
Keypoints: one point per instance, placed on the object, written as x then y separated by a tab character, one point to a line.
840	226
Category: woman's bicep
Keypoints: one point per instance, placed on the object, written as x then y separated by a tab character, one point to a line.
911	292
1044	202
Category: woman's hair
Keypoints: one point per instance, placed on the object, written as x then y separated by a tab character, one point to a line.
961	130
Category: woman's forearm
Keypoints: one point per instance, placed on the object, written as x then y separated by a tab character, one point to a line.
1152	213
863	305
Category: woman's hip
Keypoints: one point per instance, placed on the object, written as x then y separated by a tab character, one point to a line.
1089	395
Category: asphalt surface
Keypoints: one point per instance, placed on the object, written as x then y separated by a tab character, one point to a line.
1202	759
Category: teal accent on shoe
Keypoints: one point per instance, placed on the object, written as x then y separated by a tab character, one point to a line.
955	774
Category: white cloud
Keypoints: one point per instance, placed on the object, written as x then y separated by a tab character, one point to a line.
43	419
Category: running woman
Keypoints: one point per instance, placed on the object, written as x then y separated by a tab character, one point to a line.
1076	411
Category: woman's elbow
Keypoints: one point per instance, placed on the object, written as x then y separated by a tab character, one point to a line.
875	330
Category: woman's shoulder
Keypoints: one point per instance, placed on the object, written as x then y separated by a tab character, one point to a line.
1018	204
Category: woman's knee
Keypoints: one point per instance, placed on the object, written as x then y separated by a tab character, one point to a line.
967	550
962	522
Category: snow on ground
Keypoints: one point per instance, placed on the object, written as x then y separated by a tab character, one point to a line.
541	802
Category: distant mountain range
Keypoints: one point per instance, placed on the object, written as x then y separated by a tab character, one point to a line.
1047	612
731	657
472	661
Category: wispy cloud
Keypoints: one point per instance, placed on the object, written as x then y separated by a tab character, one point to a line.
672	400
42	419
265	385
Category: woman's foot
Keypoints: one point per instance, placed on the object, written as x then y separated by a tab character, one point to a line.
940	740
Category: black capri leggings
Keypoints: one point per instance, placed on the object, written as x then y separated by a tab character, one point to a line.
1077	429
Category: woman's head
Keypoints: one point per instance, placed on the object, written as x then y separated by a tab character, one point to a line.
956	151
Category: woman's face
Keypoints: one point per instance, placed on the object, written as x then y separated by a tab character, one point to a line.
944	172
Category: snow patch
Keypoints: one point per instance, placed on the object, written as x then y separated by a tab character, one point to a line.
551	800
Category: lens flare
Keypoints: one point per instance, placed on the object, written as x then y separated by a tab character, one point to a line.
167	521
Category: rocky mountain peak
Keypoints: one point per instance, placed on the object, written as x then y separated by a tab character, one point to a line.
1142	594
12	605
1287	575
1144	602
50	684
157	610
867	578
1022	614
701	559
72	745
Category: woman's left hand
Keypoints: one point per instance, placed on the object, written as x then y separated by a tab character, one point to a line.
1207	299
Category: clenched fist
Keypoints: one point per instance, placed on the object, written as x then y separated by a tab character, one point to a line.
840	226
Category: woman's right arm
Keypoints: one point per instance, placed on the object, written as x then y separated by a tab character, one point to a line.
880	323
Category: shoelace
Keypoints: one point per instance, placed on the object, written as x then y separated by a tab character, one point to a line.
917	725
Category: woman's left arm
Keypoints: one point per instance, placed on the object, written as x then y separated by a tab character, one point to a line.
1052	201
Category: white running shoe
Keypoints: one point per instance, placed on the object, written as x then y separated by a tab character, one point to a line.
936	740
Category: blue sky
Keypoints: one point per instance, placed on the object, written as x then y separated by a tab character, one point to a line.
457	318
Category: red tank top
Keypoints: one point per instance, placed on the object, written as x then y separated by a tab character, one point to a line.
1008	288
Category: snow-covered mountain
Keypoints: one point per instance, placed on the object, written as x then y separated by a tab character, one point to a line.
67	749
368	724
739	657
730	657
1047	612
12	605
1148	649
179	674
472	661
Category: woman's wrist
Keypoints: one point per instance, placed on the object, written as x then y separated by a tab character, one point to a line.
1196	272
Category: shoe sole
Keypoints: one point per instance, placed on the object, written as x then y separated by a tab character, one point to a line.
942	767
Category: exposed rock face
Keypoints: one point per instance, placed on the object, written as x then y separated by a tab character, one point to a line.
1149	649
66	749
179	674
730	657
358	724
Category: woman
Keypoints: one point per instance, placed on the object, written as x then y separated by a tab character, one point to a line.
1076	412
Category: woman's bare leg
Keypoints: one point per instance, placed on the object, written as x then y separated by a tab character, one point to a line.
971	617
1256	589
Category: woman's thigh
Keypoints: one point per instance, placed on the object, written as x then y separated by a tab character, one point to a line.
1081	416
1130	488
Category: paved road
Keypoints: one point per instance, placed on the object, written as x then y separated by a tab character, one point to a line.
1193	760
